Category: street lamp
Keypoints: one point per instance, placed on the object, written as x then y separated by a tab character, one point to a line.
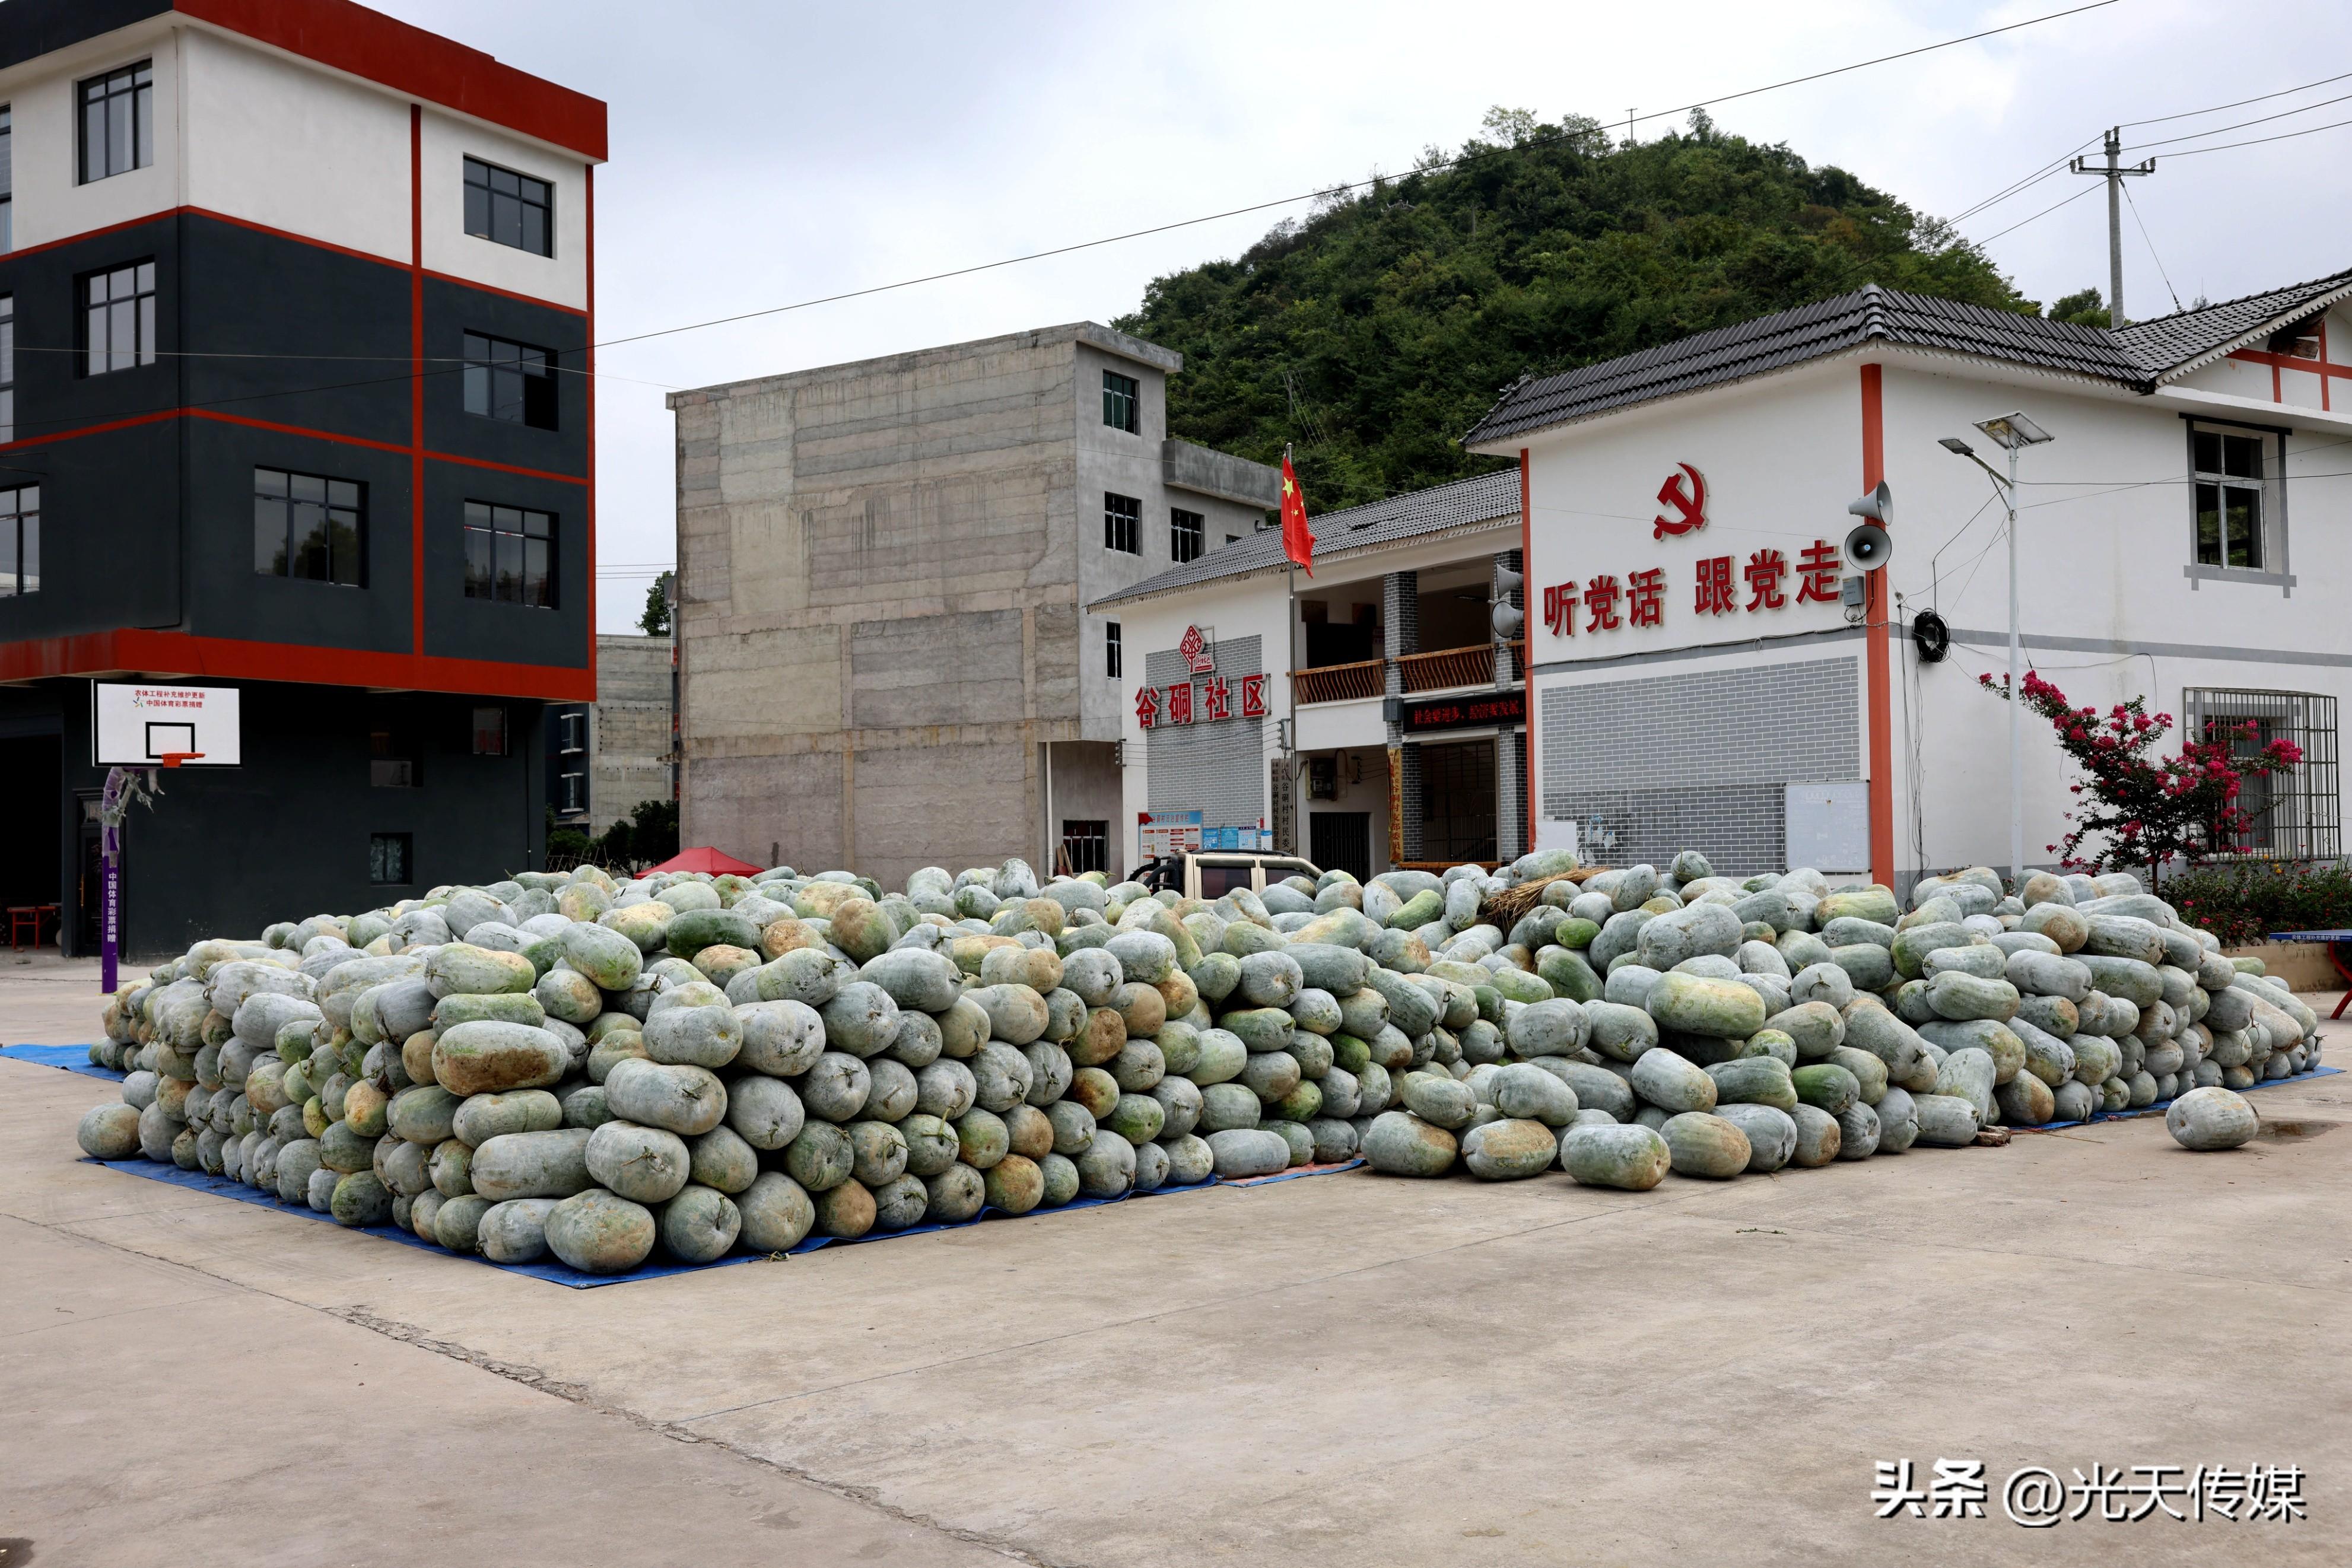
2015	433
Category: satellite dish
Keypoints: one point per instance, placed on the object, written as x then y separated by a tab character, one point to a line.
1931	636
1869	547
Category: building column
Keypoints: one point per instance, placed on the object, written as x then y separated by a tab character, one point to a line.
1400	632
1409	798
1510	746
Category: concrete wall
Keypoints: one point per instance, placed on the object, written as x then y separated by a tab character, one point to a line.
882	566
631	727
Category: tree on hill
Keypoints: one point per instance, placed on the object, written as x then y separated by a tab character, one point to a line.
1374	332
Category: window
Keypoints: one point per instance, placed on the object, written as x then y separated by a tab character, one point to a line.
118	318
395	760
1119	401
20	540
571	732
490	732
1183	535
2297	815
1219	878
1086	846
2231	518
509	208
1114	651
509	555
388	859
7	360
1123	524
118	122
510	381
8	180
309	526
574	791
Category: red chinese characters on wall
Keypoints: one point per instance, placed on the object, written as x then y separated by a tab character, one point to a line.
1642	595
1155	705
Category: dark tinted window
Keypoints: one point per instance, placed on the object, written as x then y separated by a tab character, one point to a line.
509	208
509	555
512	382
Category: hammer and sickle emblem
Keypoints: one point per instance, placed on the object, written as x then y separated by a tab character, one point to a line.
1690	505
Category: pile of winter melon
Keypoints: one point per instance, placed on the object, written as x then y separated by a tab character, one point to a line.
682	1066
1632	1023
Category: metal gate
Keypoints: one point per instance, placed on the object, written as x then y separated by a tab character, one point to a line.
1342	841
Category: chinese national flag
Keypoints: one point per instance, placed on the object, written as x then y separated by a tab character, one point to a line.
1298	541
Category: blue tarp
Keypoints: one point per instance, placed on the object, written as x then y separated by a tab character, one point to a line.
72	1058
554	1269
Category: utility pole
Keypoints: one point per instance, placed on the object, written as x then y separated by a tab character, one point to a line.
2113	171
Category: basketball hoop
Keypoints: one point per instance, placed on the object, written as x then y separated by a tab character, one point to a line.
173	758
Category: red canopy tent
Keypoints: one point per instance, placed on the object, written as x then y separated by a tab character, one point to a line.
702	857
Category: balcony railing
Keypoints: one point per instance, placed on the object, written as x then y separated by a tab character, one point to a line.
1443	670
1448	667
1337	683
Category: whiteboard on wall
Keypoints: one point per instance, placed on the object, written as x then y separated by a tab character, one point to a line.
1829	826
1552	833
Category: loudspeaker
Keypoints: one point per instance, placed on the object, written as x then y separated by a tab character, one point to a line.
1508	620
1507	579
1869	547
1878	506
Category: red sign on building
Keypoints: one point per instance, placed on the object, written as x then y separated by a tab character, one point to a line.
1688	505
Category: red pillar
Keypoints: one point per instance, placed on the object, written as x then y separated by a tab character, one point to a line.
1881	682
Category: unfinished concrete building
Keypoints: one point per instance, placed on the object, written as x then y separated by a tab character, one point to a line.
884	659
631	746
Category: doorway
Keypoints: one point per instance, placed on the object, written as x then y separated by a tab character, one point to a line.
1457	801
1341	840
29	858
89	871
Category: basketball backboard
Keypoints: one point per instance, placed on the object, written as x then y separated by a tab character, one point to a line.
137	724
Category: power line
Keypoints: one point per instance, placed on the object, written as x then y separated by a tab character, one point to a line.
2241	125
2043	172
2151	248
1330	191
2258	98
2043	213
2258	140
2022	185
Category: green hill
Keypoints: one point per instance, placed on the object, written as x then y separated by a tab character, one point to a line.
1374	332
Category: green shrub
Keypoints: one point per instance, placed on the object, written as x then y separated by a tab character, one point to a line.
2243	903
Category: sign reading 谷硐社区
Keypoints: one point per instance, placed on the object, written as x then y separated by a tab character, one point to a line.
1155	705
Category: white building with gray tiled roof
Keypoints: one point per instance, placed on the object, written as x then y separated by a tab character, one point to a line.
1702	666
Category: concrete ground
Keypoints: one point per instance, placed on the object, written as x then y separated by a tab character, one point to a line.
1344	1368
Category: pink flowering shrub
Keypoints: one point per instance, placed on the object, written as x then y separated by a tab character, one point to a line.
2146	810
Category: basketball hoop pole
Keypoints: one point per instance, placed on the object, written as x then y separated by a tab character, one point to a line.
123	788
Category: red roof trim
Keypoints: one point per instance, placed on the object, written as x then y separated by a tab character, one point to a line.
411	60
179	653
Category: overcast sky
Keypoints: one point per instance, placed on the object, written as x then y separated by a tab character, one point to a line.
764	152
